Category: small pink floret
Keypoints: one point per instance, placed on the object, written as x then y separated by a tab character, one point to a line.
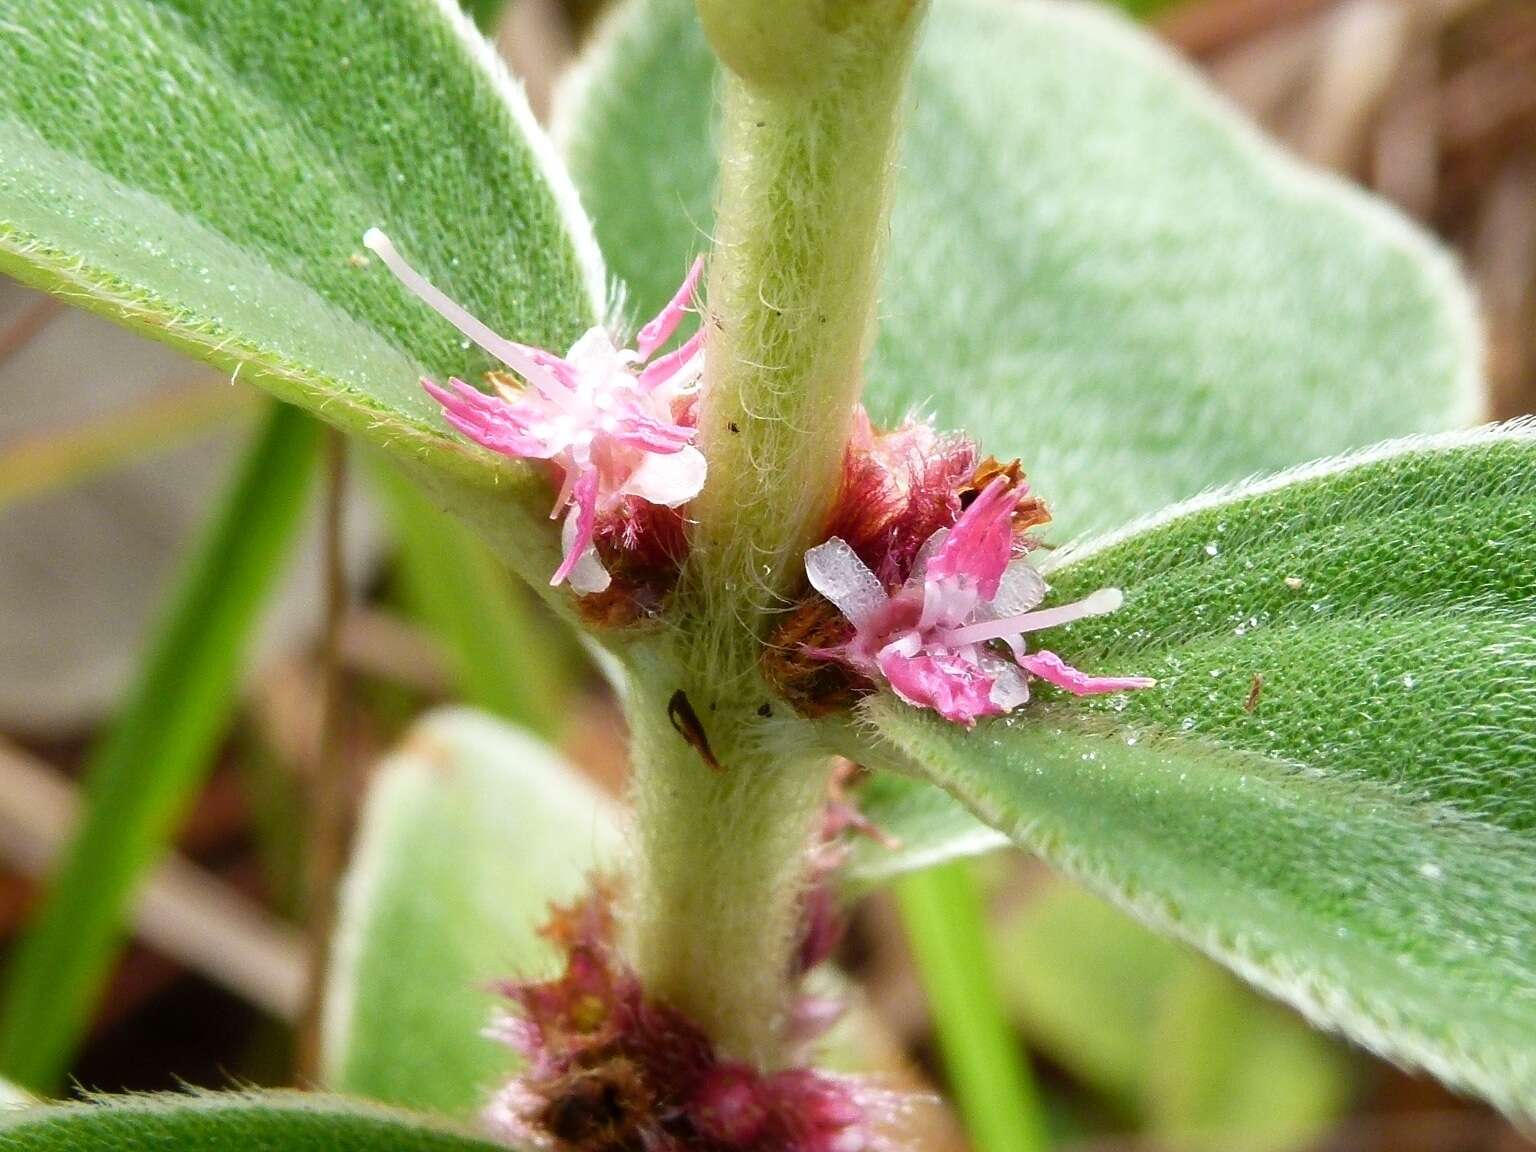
978	548
930	640
615	421
730	1105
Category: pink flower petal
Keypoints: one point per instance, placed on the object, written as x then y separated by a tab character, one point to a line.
639	429
980	544
1054	670
615	436
491	421
660	330
668	479
952	686
580	524
676	366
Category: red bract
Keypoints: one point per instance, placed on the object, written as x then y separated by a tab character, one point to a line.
609	1070
899	488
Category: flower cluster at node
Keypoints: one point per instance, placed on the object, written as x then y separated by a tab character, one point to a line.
928	569
618	424
607	1069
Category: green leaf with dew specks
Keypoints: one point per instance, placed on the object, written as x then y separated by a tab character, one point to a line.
1332	789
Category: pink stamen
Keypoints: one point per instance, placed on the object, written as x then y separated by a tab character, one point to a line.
659	330
1100	603
511	354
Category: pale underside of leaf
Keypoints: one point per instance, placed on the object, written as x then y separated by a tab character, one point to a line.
1094	264
1333	787
925	825
470	831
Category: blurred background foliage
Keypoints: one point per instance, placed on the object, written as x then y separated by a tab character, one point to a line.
163	677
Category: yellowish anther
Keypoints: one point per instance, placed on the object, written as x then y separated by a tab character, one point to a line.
588	1014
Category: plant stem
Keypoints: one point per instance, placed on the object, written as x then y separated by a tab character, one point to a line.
812	100
720	864
813	95
946	927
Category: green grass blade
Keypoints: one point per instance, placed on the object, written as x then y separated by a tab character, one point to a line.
504	660
946	926
149	763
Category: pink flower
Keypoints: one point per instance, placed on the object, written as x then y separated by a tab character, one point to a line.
615	421
931	639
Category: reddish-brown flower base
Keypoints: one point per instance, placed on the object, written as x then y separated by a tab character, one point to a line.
607	1069
898	489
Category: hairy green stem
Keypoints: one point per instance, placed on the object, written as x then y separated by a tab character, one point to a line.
724	815
725	810
813	100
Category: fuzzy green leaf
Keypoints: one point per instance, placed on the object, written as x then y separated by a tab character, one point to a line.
470	830
1093	264
14	1097
205	172
1333	787
231	1122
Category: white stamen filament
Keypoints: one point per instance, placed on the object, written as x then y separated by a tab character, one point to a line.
498	346
1100	603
